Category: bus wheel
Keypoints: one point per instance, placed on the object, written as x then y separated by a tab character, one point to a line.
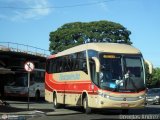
37	96
85	106
55	104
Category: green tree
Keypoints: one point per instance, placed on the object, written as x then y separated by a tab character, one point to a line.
156	77
148	75
77	33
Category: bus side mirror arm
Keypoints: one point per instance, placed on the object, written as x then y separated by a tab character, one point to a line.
97	64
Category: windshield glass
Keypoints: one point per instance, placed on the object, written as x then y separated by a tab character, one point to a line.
154	91
121	73
19	80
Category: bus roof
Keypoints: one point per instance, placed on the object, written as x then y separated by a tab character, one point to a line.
100	47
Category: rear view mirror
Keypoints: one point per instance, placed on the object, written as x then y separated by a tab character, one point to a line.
97	63
150	66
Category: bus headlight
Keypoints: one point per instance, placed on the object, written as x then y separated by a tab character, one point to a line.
103	95
141	97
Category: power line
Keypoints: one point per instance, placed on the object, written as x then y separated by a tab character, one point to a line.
51	7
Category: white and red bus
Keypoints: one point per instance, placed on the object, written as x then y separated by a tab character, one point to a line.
97	75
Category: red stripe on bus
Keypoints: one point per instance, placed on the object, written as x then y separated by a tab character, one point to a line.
77	92
70	82
47	87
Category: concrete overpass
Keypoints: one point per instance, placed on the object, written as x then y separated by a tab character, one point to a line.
13	56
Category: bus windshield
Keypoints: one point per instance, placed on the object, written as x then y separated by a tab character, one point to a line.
19	80
121	73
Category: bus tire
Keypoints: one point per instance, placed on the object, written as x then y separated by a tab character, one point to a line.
55	104
37	95
85	106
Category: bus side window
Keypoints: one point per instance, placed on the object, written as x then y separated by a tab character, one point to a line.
76	65
70	62
57	65
67	67
93	72
84	66
61	68
82	61
48	66
51	66
61	64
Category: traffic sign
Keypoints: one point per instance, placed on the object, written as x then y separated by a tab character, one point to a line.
29	66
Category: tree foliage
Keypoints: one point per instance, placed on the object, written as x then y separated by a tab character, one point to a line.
156	77
77	33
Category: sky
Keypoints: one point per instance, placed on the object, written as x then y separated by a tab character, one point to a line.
31	21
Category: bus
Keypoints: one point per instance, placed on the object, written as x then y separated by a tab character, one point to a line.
96	75
17	84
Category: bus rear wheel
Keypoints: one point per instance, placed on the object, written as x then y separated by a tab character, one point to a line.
85	106
55	104
37	96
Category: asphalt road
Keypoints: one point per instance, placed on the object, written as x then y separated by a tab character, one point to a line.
44	111
150	112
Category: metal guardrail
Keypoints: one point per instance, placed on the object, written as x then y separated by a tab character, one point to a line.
27	49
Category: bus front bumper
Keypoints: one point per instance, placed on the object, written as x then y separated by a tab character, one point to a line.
113	104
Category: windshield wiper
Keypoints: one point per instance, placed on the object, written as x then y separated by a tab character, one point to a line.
129	79
125	81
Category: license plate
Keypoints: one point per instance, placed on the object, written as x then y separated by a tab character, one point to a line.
124	104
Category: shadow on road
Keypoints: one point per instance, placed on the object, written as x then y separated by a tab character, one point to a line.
144	111
9	109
